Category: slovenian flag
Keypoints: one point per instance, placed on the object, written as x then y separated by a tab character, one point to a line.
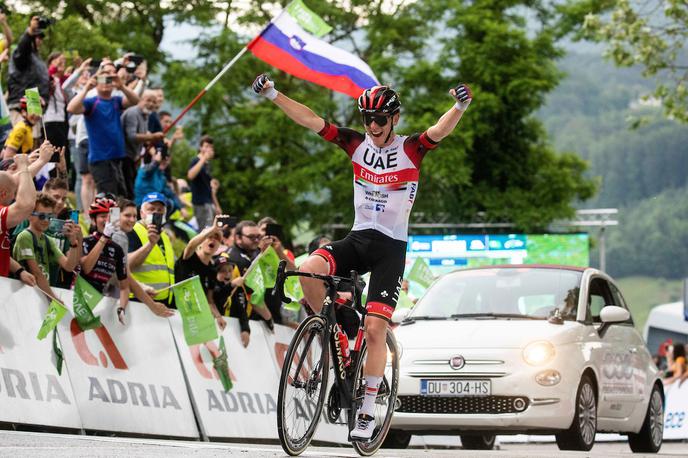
287	44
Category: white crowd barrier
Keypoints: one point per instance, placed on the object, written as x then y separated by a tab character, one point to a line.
142	378
127	378
31	391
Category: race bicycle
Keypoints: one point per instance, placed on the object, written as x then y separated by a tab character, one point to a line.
304	379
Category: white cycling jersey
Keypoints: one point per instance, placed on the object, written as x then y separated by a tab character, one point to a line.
385	179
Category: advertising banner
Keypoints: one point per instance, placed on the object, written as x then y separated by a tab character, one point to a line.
676	411
127	378
279	343
31	391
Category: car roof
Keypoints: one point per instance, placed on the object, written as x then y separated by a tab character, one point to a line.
529	266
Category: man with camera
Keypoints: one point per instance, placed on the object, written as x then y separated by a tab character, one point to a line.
200	181
151	256
106	137
137	136
27	69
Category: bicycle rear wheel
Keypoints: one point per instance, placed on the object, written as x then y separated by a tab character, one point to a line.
303	385
386	397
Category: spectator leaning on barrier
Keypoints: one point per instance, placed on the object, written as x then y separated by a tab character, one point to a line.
151	256
137	135
27	70
38	253
127	219
106	138
245	249
102	257
228	281
272	301
199	180
13	213
197	259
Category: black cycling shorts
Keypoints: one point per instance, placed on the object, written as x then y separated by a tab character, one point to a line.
370	251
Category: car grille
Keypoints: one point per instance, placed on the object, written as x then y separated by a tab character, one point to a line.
463	405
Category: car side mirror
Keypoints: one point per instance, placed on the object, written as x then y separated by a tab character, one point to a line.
400	315
613	314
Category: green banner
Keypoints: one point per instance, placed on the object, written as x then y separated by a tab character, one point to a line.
221	365
4	111
57	358
53	316
262	274
307	19
404	301
86	297
192	303
421	273
33	101
292	289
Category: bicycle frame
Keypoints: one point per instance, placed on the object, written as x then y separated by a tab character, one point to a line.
343	376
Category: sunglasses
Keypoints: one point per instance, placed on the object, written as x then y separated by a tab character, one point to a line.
43	216
380	120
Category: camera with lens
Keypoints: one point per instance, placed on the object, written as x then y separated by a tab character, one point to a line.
45	22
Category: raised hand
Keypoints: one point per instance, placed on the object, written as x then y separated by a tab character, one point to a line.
463	95
264	86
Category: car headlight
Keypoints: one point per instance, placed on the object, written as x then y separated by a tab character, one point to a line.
538	353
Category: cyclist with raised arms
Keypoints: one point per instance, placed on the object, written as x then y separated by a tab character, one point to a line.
386	169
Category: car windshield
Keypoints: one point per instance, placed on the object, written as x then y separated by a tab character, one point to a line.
515	293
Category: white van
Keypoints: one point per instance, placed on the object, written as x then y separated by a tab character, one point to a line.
665	321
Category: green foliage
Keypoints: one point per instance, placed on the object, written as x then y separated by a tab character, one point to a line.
498	161
651	34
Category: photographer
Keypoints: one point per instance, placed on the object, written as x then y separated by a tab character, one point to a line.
151	177
38	253
151	256
104	258
137	136
27	69
104	126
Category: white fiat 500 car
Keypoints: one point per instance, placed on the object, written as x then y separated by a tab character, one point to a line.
525	349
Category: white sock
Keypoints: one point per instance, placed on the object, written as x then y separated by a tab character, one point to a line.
372	385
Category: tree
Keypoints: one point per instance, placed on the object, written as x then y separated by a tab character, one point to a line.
651	34
498	161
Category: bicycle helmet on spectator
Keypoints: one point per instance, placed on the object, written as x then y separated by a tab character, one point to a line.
379	99
101	205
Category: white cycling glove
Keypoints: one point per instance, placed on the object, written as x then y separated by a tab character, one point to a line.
262	85
463	96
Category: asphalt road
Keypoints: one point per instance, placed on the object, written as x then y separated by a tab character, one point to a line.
26	444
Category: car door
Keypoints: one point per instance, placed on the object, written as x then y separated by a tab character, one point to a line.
612	357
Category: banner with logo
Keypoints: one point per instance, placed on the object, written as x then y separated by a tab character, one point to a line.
279	343
676	411
31	391
127	378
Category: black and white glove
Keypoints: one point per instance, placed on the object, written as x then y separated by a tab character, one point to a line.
463	95
262	85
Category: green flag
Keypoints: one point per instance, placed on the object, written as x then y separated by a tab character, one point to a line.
86	297
33	101
58	358
404	302
221	365
4	111
52	317
307	19
262	274
192	303
421	273
254	280
292	289
269	262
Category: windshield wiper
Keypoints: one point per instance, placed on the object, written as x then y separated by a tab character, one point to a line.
496	315
424	317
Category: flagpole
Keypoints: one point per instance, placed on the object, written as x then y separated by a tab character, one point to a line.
224	70
158	291
49	295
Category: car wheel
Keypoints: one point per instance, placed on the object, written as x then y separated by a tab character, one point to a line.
649	438
479	442
581	434
397	439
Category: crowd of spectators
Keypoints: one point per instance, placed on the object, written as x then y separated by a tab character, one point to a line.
86	190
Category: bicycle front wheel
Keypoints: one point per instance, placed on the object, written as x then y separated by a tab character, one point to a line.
385	401
303	385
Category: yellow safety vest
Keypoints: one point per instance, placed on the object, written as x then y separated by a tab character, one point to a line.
157	270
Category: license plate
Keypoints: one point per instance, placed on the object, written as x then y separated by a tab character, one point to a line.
429	387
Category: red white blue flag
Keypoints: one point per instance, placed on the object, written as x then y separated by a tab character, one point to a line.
286	44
